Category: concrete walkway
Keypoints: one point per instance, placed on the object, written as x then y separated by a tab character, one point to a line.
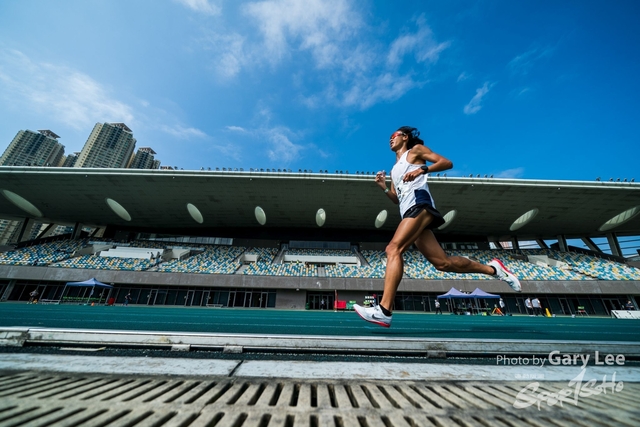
534	371
60	390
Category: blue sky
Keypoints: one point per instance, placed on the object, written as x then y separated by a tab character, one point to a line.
520	89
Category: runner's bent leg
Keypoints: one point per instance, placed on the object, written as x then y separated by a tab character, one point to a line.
408	231
431	249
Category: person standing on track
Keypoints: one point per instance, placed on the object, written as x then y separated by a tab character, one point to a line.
438	309
537	307
503	307
33	297
410	190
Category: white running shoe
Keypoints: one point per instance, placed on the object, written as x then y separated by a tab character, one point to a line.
503	274
373	315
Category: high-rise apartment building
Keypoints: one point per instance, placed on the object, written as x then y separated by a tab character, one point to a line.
30	148
144	159
70	160
110	145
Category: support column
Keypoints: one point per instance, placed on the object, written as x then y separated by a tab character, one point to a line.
96	231
8	290
47	231
591	245
515	244
614	245
496	242
562	243
542	243
77	229
25	228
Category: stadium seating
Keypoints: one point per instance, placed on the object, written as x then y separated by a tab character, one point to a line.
288	269
319	252
376	272
597	268
527	264
265	255
43	254
523	269
104	263
213	260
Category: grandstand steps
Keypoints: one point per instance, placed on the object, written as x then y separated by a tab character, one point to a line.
242	269
363	260
280	256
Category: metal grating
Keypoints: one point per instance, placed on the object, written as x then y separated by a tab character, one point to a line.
86	400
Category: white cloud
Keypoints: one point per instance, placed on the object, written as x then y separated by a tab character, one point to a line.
318	26
201	6
232	57
475	104
236	129
384	88
220	151
282	149
70	96
276	142
74	98
523	63
510	173
421	43
182	132
358	69
380	80
462	77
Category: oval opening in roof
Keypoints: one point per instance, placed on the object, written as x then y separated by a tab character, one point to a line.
321	217
524	219
118	209
195	213
448	219
261	217
22	203
620	219
381	218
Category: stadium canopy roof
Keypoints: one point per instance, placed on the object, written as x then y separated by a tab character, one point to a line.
285	205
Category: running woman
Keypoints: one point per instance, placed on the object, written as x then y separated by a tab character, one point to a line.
410	190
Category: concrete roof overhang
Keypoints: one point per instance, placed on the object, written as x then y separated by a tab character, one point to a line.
157	201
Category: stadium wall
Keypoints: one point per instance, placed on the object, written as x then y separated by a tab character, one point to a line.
147	278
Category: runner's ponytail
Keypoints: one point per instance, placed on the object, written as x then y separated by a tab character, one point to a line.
413	135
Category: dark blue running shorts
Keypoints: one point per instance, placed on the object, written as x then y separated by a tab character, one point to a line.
415	210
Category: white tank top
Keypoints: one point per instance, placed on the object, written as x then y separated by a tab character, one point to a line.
411	193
